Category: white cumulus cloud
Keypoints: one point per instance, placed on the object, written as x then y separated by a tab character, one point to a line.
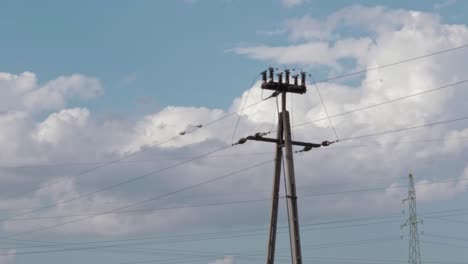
73	135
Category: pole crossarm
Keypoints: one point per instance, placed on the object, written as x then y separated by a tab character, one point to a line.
307	146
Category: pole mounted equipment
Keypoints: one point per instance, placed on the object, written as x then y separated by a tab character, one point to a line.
283	140
285	86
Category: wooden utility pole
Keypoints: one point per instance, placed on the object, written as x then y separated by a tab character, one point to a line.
284	140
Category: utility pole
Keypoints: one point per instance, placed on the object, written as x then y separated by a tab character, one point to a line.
283	140
412	222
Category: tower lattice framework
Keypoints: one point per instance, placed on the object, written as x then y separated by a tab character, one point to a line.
412	222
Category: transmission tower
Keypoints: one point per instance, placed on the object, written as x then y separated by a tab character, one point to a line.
412	222
283	140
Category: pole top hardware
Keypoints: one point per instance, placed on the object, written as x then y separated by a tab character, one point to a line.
283	85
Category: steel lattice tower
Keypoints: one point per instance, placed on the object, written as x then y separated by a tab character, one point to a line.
412	222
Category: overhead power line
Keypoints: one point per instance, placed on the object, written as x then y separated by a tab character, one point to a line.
114	161
137	203
380	133
149	159
384	102
393	63
242	110
304	225
112	186
236	202
235	112
407	128
202	236
315	246
325	108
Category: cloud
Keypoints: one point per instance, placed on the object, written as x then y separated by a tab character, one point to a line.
444	4
23	92
293	3
309	53
72	139
61	126
225	260
429	191
305	27
8	257
54	94
102	224
354	20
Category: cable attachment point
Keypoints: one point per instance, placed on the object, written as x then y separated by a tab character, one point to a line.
305	149
328	143
261	134
273	95
182	133
241	141
199	126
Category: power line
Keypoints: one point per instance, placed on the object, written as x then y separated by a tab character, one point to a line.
383	66
393	63
407	128
324	108
242	109
144	210
235	202
322	228
234	112
195	237
351	138
242	154
242	255
149	159
385	102
315	246
262	153
139	202
111	162
350	220
109	187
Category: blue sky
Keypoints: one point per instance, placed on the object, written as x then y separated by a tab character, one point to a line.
108	78
155	52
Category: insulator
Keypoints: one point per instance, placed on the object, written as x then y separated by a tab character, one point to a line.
182	133
307	148
271	71
274	94
280	77
242	141
303	78
264	76
287	76
328	143
295	77
199	126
